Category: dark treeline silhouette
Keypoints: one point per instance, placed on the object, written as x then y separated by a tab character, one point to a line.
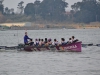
47	9
54	10
86	11
1	8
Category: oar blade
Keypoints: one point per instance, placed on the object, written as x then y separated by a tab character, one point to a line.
98	45
11	48
84	45
91	44
2	47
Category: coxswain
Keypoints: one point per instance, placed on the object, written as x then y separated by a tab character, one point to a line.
26	39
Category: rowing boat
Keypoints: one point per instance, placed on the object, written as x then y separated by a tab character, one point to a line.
73	47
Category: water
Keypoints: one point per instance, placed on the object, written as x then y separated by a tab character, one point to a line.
87	62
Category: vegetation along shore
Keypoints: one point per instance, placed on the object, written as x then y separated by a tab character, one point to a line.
53	14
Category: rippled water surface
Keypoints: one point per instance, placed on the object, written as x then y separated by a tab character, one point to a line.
87	62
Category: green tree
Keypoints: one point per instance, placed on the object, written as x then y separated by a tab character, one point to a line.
20	7
53	9
6	10
76	6
98	11
1	8
32	8
37	7
2	18
88	10
29	9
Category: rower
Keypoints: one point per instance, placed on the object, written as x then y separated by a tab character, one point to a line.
49	42
70	41
42	42
31	43
73	39
26	39
46	42
37	42
63	41
56	42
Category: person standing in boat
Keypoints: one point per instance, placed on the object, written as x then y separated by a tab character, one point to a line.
26	39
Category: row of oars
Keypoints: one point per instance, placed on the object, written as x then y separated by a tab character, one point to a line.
16	47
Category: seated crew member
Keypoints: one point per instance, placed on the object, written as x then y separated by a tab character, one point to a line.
73	39
42	42
46	42
37	42
49	42
63	41
31	43
26	39
56	42
70	41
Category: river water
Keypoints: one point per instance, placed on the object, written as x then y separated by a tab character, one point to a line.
87	62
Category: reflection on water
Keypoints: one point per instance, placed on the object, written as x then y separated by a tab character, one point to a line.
13	62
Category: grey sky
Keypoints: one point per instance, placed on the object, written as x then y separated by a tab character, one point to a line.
14	3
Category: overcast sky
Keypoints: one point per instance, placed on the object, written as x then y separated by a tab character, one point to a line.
14	3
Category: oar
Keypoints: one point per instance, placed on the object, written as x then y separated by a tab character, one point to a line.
85	45
6	48
3	47
91	44
98	45
11	48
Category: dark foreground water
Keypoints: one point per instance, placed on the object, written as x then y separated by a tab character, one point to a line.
87	62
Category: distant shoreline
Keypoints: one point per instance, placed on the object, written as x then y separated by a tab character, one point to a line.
38	26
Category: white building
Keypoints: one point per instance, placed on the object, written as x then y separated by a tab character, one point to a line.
23	24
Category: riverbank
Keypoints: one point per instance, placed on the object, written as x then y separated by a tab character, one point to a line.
43	26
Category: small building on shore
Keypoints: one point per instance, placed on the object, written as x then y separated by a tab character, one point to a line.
17	26
21	24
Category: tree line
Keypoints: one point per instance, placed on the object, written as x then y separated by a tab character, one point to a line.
85	11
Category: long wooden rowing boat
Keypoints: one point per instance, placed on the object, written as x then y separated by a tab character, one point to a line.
76	47
73	47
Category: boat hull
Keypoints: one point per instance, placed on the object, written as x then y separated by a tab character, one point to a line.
73	47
